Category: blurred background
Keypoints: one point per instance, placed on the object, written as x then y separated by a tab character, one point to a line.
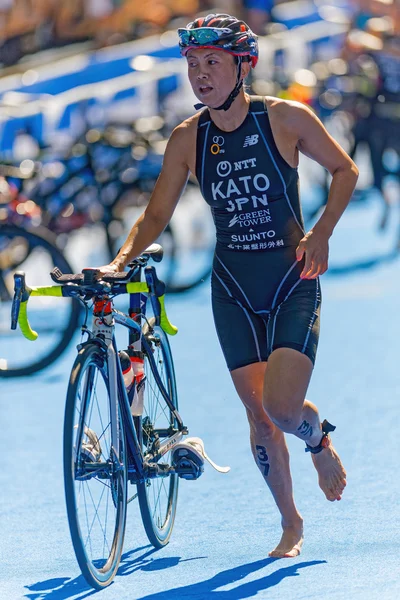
90	90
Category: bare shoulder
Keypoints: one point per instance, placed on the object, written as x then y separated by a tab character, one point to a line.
181	147
293	125
300	130
294	117
290	114
182	141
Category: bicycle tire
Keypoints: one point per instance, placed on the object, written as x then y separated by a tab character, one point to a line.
157	501
32	251
87	411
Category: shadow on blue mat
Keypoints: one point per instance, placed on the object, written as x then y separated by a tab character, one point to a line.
63	588
59	588
208	589
364	264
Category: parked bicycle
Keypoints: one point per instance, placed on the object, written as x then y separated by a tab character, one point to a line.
96	182
105	177
35	251
110	437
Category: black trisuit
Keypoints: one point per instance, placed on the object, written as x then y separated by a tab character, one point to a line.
259	301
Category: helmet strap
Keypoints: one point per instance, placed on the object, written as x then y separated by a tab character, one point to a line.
228	102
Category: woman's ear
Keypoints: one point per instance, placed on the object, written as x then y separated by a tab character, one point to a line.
245	70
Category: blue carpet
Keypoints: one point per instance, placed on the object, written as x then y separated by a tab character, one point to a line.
226	524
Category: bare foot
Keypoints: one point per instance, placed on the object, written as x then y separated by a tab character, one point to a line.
331	473
291	542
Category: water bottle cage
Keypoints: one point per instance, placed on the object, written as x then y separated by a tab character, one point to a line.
131	392
140	382
135	386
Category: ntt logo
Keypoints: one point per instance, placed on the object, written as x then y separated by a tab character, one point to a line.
224	168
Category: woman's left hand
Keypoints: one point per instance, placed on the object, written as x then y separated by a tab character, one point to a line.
314	246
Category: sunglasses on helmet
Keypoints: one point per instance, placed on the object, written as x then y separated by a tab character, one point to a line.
201	35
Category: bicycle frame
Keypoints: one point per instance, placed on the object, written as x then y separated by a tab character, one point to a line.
104	319
138	468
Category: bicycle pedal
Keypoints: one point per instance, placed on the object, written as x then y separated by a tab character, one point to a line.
194	447
187	464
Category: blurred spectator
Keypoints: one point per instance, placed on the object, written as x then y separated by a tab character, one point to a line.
23	25
366	9
27	26
152	16
257	13
376	46
73	22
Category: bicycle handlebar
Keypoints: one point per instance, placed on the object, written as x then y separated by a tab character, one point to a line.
19	292
75	286
19	306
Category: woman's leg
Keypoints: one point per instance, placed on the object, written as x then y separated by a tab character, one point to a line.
286	383
271	455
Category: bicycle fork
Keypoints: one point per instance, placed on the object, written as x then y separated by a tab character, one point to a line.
103	328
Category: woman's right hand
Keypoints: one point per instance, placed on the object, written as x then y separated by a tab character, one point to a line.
111	268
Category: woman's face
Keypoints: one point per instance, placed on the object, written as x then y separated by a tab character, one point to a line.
212	75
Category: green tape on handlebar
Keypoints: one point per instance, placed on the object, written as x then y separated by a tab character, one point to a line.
24	323
136	287
166	325
51	290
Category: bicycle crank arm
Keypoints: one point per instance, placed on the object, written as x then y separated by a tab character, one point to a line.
166	445
154	470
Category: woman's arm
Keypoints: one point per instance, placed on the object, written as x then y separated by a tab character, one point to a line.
314	141
167	191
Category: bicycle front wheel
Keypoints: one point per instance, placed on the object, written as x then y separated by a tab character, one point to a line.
158	497
55	319
95	469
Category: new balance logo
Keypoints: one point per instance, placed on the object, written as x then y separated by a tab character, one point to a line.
250	140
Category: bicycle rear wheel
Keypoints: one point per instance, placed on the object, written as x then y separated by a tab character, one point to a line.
55	319
158	497
95	477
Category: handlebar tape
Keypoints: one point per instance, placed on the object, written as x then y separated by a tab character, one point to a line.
23	323
165	323
51	290
23	320
57	291
136	287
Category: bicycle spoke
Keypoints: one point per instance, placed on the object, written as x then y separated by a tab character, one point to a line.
87	521
96	511
158	496
96	501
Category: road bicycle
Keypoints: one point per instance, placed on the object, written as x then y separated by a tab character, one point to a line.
35	251
105	447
